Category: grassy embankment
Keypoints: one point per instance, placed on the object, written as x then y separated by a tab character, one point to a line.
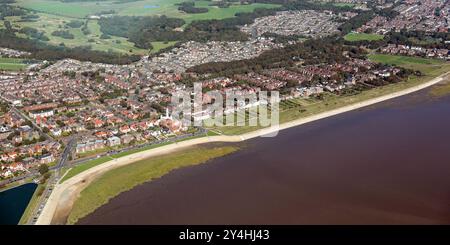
301	108
354	37
121	179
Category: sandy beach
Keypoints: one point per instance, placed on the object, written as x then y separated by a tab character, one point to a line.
65	194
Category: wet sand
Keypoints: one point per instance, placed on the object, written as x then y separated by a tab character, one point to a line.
383	164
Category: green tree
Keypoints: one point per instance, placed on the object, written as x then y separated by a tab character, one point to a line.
43	169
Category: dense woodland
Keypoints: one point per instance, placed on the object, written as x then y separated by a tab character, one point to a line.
142	30
421	39
315	51
10	10
189	7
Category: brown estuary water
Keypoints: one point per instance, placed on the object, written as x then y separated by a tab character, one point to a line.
384	164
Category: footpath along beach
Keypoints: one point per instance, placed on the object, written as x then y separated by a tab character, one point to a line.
65	194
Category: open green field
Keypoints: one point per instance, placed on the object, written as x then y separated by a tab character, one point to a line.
12	64
136	8
354	37
421	64
85	166
157	46
304	107
54	15
121	179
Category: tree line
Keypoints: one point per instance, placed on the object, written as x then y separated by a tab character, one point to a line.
428	40
42	51
315	51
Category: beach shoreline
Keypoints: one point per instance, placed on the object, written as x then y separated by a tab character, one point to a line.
65	194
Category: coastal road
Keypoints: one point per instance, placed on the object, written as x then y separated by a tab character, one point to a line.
72	143
18	178
201	131
52	181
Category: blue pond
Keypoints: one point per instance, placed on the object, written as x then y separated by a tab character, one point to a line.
13	203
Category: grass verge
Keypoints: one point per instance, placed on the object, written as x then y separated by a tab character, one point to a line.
121	179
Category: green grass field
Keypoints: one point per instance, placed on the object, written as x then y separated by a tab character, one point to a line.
404	60
136	8
157	46
121	179
300	108
85	166
422	64
12	64
354	37
55	14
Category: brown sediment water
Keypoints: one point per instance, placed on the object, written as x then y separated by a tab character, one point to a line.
384	164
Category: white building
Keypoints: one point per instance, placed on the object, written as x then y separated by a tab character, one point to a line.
36	114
